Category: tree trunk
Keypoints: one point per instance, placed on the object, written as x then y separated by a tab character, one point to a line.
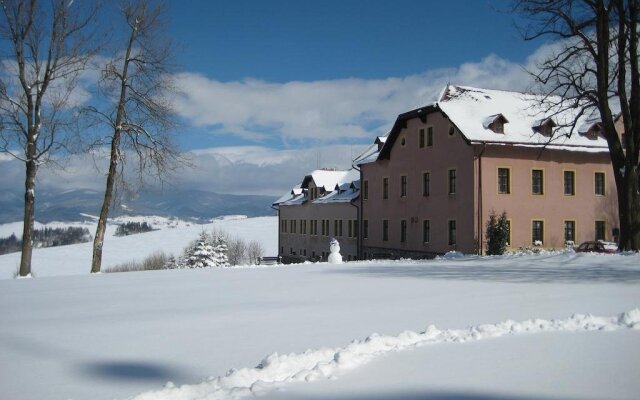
98	241
29	209
629	210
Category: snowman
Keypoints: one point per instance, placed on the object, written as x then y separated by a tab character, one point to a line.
334	248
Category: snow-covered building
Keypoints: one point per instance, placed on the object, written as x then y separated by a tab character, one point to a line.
429	186
323	206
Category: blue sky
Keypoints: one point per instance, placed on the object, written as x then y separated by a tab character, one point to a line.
271	90
281	41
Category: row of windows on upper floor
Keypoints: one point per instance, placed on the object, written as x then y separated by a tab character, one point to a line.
425	137
504	183
537	231
299	226
537	182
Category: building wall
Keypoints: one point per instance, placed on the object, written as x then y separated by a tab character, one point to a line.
316	246
447	152
552	207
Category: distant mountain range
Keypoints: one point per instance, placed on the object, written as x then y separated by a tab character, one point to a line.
68	205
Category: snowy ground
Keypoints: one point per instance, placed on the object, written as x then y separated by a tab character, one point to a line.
504	327
171	237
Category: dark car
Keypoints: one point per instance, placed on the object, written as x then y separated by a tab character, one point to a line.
597	247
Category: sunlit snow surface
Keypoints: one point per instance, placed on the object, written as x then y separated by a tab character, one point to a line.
557	326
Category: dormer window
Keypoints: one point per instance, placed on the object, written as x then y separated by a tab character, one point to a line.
495	123
594	131
544	126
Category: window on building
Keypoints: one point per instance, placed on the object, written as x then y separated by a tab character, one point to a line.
600	230
355	228
283	226
339	228
365	229
430	136
385	188
451	130
350	228
497	126
599	183
569	231
452	232
403	231
327	223
537	232
335	227
426	183
365	190
421	134
569	183
403	186
426	231
537	181
385	230
452	181
504	181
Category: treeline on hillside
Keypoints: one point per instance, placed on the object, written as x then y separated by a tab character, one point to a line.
131	228
47	237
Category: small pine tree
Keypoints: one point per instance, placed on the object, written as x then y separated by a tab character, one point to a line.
200	254
221	249
497	233
209	250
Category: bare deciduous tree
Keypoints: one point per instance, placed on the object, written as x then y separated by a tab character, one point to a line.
49	47
237	250
594	68
138	85
254	251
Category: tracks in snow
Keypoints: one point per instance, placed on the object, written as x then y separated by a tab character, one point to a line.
278	369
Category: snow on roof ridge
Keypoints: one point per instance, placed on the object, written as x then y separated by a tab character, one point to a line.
468	108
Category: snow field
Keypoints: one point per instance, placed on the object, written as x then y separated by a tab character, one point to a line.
275	370
171	237
70	335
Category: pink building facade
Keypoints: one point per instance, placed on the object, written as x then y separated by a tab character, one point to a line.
431	184
324	206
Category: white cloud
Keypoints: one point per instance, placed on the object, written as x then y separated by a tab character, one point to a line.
331	110
315	118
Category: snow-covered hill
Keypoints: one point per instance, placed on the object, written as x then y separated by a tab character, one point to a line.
503	327
172	236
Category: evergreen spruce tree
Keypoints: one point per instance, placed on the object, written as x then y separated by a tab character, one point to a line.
201	253
497	234
221	249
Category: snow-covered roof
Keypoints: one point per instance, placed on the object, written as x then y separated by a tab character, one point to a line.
328	179
294	195
369	155
345	194
340	186
470	108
